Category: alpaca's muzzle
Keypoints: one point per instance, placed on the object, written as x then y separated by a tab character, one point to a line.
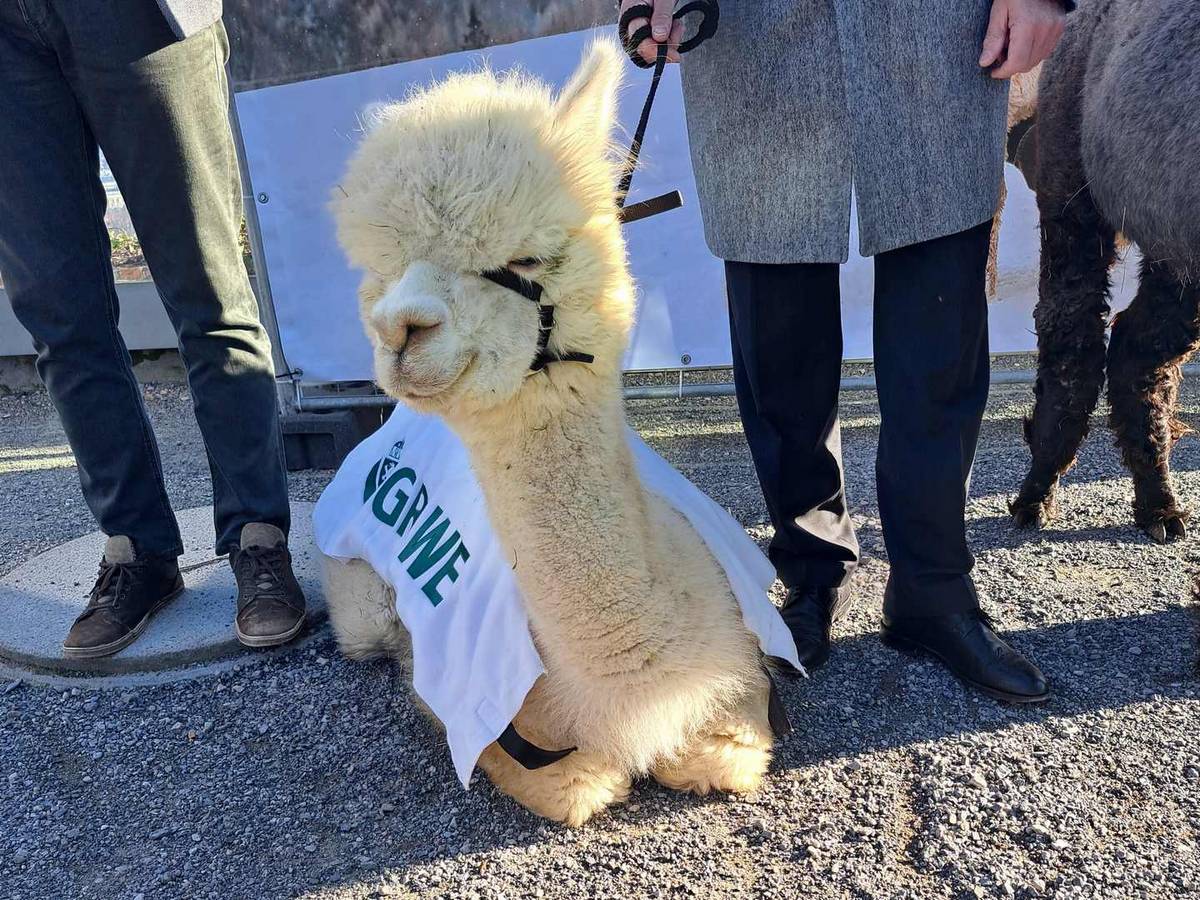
411	312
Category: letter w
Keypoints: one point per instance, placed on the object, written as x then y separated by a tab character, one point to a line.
425	544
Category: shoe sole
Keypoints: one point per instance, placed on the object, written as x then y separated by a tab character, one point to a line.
120	644
907	645
258	642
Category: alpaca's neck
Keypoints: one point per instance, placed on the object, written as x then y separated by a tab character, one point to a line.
567	503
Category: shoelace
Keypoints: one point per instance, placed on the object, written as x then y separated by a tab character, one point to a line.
111	582
264	567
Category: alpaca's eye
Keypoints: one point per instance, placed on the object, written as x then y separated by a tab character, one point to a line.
525	262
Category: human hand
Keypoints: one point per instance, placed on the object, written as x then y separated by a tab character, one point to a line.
663	29
1020	34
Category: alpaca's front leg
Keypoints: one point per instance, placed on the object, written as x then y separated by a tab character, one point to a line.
362	608
1071	312
571	790
732	757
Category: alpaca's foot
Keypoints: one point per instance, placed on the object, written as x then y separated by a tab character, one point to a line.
1034	509
571	790
733	761
1163	523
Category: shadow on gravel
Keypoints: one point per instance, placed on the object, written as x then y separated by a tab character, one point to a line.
1056	534
870	698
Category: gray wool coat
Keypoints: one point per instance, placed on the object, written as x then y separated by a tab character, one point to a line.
794	102
186	17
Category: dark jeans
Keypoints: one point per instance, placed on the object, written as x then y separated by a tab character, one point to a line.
75	76
931	366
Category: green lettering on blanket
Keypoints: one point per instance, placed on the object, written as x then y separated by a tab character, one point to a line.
390	489
425	543
446	571
400	498
419	502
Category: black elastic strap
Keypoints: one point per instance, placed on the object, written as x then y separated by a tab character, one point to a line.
545	326
632	41
710	13
710	17
777	715
531	756
544	355
531	290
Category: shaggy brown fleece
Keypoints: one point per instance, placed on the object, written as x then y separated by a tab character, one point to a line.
1117	151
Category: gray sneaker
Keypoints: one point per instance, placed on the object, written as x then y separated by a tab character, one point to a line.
270	604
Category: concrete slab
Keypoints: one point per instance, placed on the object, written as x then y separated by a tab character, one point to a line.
40	599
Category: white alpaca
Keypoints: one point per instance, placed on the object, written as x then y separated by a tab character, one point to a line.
650	668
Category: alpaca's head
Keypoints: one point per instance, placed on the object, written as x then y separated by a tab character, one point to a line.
478	173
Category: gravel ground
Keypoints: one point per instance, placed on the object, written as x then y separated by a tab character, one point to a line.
305	775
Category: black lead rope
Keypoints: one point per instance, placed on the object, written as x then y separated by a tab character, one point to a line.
710	13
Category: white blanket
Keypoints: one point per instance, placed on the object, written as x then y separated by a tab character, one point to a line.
407	502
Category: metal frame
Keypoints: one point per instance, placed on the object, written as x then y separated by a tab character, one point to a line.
680	391
293	397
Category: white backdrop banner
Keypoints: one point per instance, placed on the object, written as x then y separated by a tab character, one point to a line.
299	136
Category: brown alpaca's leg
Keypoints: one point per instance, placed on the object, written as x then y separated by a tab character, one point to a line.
1070	316
1150	341
732	758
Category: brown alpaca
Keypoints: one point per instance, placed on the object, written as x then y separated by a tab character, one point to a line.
1117	150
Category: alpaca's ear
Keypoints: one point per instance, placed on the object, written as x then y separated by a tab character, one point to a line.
588	104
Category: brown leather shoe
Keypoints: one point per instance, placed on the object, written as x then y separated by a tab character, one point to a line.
129	590
270	602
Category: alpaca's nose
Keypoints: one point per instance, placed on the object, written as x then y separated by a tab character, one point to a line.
403	317
399	333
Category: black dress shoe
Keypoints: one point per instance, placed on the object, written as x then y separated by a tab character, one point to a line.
270	604
967	644
129	590
809	613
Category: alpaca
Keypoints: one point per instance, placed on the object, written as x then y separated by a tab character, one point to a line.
650	668
1116	151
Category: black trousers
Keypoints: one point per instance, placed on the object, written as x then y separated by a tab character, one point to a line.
74	78
931	366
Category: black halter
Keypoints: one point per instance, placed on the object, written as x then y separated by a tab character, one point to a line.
710	14
531	290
